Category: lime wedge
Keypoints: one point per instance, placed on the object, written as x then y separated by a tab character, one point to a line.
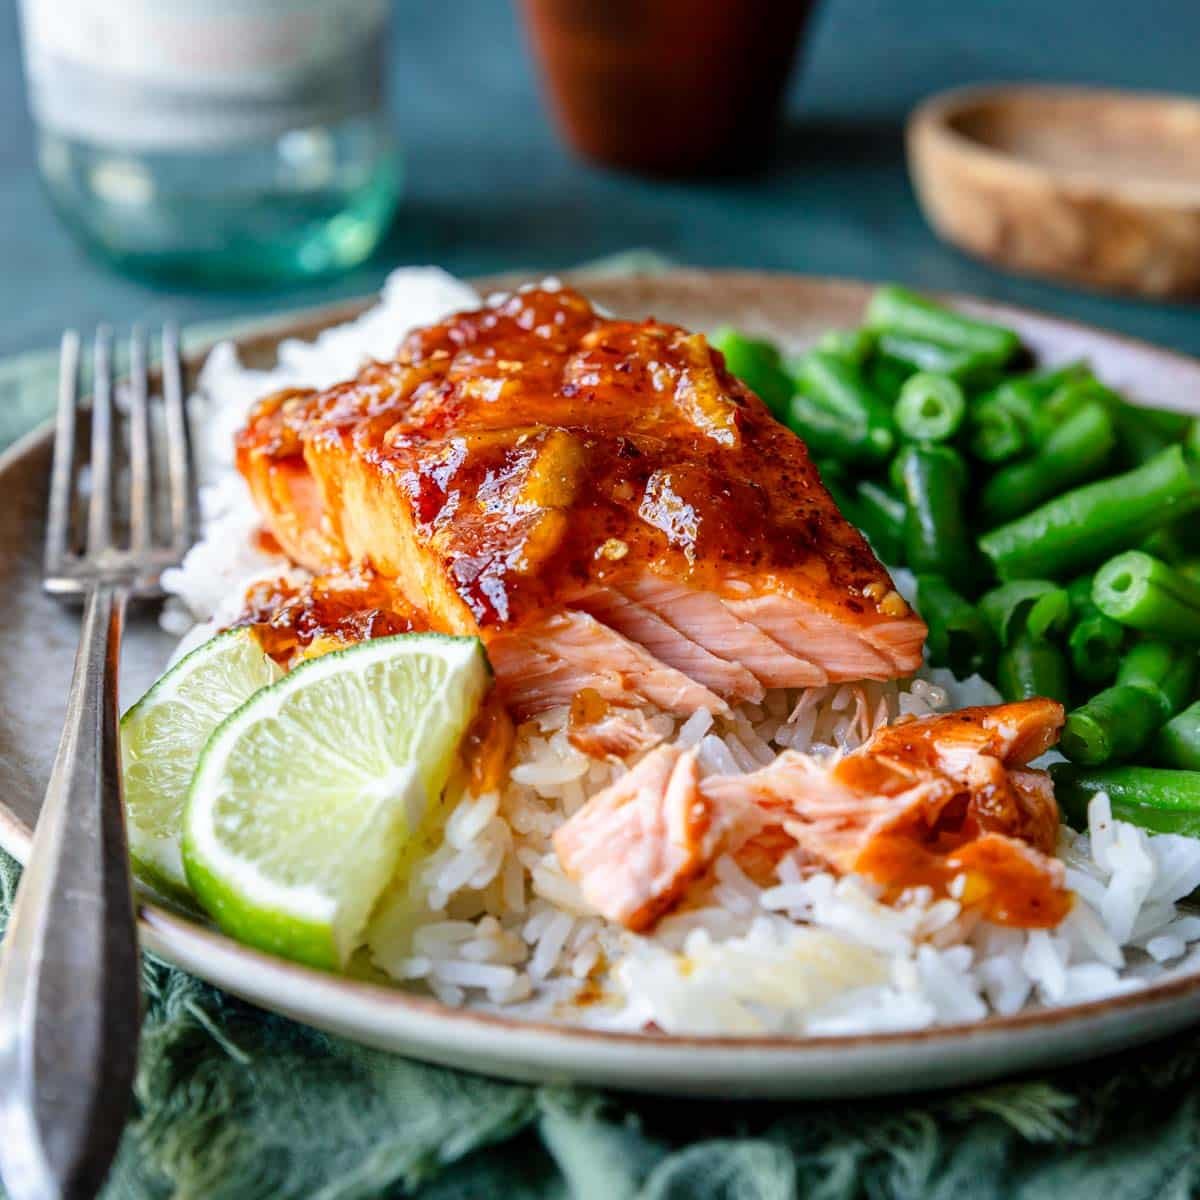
316	794
161	739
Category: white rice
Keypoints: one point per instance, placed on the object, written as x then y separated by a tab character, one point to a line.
488	919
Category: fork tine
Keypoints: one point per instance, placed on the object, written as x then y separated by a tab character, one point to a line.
99	529
58	521
179	458
141	531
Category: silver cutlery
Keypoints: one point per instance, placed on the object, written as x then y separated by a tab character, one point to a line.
69	967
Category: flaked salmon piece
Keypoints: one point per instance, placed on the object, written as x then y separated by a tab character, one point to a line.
603	730
912	807
512	461
547	664
925	801
708	617
642	625
636	846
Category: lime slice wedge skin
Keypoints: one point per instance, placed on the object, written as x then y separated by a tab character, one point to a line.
307	798
162	736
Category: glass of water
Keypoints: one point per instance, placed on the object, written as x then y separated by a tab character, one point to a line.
215	140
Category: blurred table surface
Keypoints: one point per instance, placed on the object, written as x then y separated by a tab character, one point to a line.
489	187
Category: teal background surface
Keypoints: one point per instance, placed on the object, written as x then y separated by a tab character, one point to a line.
490	187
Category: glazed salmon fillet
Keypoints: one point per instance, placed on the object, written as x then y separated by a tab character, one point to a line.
948	802
599	500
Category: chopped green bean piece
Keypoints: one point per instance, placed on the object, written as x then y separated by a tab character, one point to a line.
855	344
880	516
886	376
898	311
997	435
959	638
1191	440
1076	450
1172	424
1154	681
1080	592
1067	399
829	435
1094	646
1033	606
1145	593
930	408
1032	667
1161	669
1113	725
1160	800
1178	741
1085	526
1138	439
838	385
758	365
936	539
917	355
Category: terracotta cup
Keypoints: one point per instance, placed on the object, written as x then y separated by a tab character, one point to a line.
668	87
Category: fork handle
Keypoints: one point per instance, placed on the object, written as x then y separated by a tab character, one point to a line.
69	974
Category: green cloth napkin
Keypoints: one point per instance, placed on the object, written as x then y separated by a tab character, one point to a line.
232	1103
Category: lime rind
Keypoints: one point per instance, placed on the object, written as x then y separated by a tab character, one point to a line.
310	799
162	737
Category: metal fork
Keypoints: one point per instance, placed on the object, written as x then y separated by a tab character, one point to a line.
70	973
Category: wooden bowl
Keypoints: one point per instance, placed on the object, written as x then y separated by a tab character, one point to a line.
1100	188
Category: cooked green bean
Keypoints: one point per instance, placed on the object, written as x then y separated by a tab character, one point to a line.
758	365
896	310
1144	593
1113	725
830	435
1164	671
1178	741
1080	592
1172	424
1156	799
918	355
1085	526
936	539
838	385
1076	450
880	515
1067	399
930	408
959	638
1033	606
1094	646
855	344
1154	681
886	376
1032	667
838	487
1138	439
997	435
1095	641
1169	544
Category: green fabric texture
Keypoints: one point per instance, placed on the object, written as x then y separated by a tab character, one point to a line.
232	1103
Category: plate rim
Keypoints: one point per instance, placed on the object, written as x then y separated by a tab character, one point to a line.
159	924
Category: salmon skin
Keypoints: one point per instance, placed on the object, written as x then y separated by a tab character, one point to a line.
599	500
945	802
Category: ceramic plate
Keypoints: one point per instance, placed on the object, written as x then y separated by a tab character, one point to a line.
37	643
